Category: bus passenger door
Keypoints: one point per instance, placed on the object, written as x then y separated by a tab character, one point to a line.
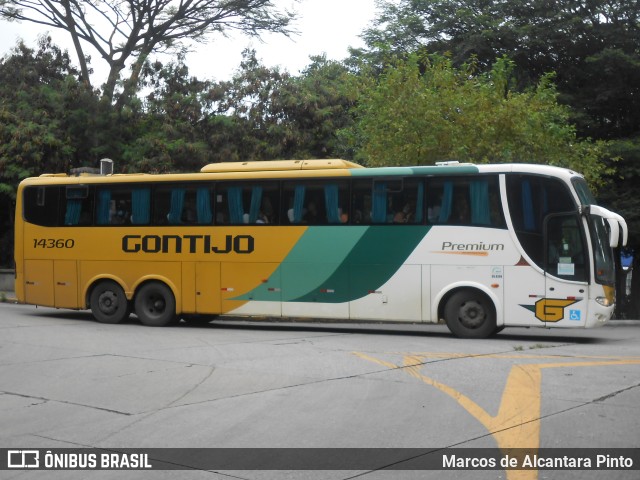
65	278
38	279
207	287
566	272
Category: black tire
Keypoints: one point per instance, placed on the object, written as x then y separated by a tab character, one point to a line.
470	314
108	302
155	305
498	329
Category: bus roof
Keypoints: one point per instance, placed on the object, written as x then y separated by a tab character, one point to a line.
279	165
275	169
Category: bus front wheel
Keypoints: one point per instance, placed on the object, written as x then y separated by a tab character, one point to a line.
108	302
470	314
155	305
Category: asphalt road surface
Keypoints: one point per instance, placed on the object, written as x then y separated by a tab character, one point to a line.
67	382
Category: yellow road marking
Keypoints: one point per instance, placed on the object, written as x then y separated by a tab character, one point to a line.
517	423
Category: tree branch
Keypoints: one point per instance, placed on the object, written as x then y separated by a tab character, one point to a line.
138	28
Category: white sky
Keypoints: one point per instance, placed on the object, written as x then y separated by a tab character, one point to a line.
325	26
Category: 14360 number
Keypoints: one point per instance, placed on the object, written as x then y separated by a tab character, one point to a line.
53	243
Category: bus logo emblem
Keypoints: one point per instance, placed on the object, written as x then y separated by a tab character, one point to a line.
552	309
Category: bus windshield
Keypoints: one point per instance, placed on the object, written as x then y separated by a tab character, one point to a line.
603	254
583	191
601	233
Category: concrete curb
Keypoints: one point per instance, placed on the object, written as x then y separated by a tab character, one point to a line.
8	297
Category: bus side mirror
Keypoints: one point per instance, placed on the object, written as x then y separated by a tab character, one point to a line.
615	221
614	232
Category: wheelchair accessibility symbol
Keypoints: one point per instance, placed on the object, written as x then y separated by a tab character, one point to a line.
574	315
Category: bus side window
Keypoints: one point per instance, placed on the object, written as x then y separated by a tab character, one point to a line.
78	205
408	203
361	202
254	204
204	212
41	205
303	205
182	205
221	208
123	205
316	202
334	194
447	201
473	201
388	201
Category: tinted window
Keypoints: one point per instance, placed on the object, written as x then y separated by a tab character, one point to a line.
123	205
255	203
465	201
78	205
42	205
566	253
531	198
318	202
584	192
182	205
394	200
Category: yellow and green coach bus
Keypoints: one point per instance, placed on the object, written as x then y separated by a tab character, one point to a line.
480	247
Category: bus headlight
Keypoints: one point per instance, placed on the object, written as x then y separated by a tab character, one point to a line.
604	301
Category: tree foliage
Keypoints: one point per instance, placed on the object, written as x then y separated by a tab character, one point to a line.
45	123
170	133
593	47
263	113
420	112
128	32
44	114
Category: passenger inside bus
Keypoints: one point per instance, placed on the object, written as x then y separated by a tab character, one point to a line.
461	210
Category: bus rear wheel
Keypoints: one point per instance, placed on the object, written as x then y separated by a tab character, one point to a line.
155	305
470	314
108	302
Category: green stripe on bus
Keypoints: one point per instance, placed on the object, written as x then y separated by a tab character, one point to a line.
376	257
340	264
312	260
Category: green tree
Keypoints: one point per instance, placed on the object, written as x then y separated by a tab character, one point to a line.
128	32
167	133
317	104
243	122
419	112
264	113
42	124
45	121
593	47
